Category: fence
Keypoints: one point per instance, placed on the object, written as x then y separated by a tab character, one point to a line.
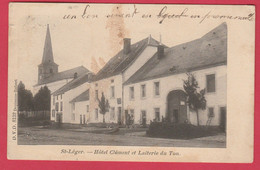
33	115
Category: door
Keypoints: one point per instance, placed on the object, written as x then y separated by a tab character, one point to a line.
177	106
143	117
84	119
119	119
176	115
223	118
59	117
126	117
80	119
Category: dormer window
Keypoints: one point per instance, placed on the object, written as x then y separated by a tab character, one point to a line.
51	71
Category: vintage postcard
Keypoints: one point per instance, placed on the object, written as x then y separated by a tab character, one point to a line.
131	82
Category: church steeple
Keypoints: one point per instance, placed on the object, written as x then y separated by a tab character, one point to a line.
48	67
47	52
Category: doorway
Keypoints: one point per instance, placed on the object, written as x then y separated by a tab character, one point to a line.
223	119
143	117
80	119
177	106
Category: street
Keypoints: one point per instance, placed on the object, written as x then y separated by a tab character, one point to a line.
41	136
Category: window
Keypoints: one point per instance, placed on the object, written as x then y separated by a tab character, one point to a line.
211	83
112	89
157	114
51	71
143	91
156	88
96	114
112	81
61	105
96	84
211	112
112	113
73	116
57	97
96	94
87	108
53	102
61	96
132	93
53	113
57	106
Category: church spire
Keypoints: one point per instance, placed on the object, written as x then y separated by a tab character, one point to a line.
47	52
47	68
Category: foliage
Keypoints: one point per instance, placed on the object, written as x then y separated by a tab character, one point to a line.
103	105
25	98
196	100
42	99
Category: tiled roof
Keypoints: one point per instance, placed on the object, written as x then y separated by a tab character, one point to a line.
73	84
121	61
82	97
207	51
68	74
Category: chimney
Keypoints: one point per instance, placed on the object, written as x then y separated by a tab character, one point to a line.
160	51
75	75
127	45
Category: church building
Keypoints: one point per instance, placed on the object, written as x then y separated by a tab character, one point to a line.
48	72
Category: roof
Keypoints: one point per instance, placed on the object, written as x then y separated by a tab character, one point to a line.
208	51
121	61
82	97
67	74
73	84
47	57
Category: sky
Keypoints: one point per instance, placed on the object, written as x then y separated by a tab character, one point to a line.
79	41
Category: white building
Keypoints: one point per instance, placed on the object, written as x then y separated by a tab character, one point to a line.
145	81
63	100
156	90
109	80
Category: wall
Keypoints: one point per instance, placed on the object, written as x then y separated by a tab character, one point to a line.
175	82
80	109
104	86
66	98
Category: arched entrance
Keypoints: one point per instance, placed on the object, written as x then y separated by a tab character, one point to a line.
177	106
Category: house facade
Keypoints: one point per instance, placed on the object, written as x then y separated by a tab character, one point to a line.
109	80
156	92
144	82
63	101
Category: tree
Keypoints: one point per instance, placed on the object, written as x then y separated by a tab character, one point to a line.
42	99
25	98
196	100
103	106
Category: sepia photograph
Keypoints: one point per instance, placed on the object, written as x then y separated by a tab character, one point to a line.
125	75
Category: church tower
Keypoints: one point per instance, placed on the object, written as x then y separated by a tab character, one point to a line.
48	67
